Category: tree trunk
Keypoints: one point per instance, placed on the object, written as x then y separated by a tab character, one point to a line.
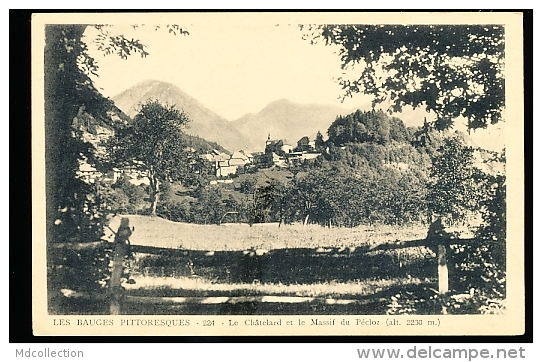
306	220
154	203
155	194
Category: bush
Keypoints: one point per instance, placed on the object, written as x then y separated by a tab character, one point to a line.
175	211
248	185
427	301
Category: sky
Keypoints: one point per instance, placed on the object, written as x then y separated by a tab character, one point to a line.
233	69
239	67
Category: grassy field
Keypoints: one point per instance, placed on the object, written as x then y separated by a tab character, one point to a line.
155	231
339	270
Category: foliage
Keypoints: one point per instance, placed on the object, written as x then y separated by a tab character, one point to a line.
344	197
319	143
457	188
248	185
209	207
74	212
174	211
154	144
115	199
267	203
372	126
481	265
72	208
485	265
137	194
122	197
426	301
455	185
453	70
494	209
110	43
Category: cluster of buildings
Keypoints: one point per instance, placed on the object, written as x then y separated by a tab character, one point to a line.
281	154
277	153
225	165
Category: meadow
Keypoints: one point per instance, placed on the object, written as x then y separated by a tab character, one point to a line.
322	270
159	232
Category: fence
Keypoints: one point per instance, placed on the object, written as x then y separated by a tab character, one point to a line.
117	296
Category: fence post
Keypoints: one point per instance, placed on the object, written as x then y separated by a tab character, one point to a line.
442	270
119	251
439	240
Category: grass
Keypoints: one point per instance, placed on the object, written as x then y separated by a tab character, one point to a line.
236	260
155	231
186	286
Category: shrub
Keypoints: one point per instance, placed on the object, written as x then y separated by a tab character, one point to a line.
427	301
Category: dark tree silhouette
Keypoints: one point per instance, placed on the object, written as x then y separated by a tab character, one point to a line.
73	208
452	70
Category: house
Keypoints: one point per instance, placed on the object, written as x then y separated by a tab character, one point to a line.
248	155
238	159
90	175
305	145
309	156
225	165
225	169
281	154
281	147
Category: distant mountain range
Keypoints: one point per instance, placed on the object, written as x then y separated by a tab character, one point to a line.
204	122
283	119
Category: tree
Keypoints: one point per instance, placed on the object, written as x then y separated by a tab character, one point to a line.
455	186
319	142
359	127
74	210
209	207
248	185
454	70
154	145
455	190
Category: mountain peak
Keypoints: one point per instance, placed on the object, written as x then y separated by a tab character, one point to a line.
285	119
204	122
281	101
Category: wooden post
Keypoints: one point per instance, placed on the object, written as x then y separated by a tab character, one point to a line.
442	270
119	251
439	238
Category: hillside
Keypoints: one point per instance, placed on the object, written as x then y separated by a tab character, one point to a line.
204	122
287	120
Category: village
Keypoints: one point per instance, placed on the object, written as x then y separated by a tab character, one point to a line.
278	153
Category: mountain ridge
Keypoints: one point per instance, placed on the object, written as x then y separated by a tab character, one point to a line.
204	122
288	120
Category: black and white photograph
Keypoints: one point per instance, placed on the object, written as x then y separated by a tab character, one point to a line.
278	173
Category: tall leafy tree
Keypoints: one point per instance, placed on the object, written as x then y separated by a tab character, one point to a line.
455	188
452	70
154	144
73	209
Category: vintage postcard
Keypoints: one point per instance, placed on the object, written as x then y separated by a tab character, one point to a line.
200	174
